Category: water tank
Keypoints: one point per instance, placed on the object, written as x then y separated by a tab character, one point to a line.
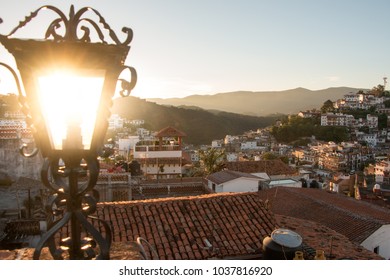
281	245
376	188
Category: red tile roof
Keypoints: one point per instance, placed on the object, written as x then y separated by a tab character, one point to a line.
271	167
319	237
355	219
170	132
234	224
118	251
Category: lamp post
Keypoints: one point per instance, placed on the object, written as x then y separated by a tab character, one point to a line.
69	82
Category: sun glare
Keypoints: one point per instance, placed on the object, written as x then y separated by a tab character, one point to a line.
70	103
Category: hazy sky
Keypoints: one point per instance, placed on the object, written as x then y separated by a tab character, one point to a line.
209	46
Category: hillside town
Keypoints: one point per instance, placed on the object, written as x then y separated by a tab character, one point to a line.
139	164
205	133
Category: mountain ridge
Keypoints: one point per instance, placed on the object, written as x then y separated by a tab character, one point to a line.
261	103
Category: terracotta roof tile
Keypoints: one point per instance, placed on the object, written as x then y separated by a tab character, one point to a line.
355	219
170	132
236	223
188	221
271	167
317	236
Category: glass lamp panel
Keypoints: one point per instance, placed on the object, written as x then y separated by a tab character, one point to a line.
69	104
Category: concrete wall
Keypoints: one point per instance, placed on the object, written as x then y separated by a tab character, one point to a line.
14	164
380	239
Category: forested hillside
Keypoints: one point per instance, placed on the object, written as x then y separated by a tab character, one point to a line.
201	126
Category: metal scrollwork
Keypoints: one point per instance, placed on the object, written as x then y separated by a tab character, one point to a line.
73	204
23	152
127	86
71	176
73	24
24	146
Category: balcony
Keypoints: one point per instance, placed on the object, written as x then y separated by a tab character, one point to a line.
157	148
165	151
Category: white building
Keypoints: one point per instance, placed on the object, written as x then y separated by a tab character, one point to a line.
14	115
233	181
137	122
378	241
194	156
331	119
230	157
308	114
249	145
352	97
382	170
370	139
115	122
127	144
163	156
372	121
216	144
13	124
142	132
229	139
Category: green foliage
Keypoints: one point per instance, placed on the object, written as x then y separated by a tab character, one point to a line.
295	129
386	93
327	106
298	128
364	129
269	156
382	121
272	156
379	90
387	103
332	133
358	113
301	142
212	160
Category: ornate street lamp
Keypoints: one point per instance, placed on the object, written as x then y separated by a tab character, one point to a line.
69	82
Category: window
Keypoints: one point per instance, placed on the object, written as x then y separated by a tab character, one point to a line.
376	250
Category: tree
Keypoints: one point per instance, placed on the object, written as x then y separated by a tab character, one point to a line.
387	103
378	90
382	121
269	156
285	159
327	106
212	160
332	133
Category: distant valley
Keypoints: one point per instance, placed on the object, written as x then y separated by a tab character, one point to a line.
261	103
